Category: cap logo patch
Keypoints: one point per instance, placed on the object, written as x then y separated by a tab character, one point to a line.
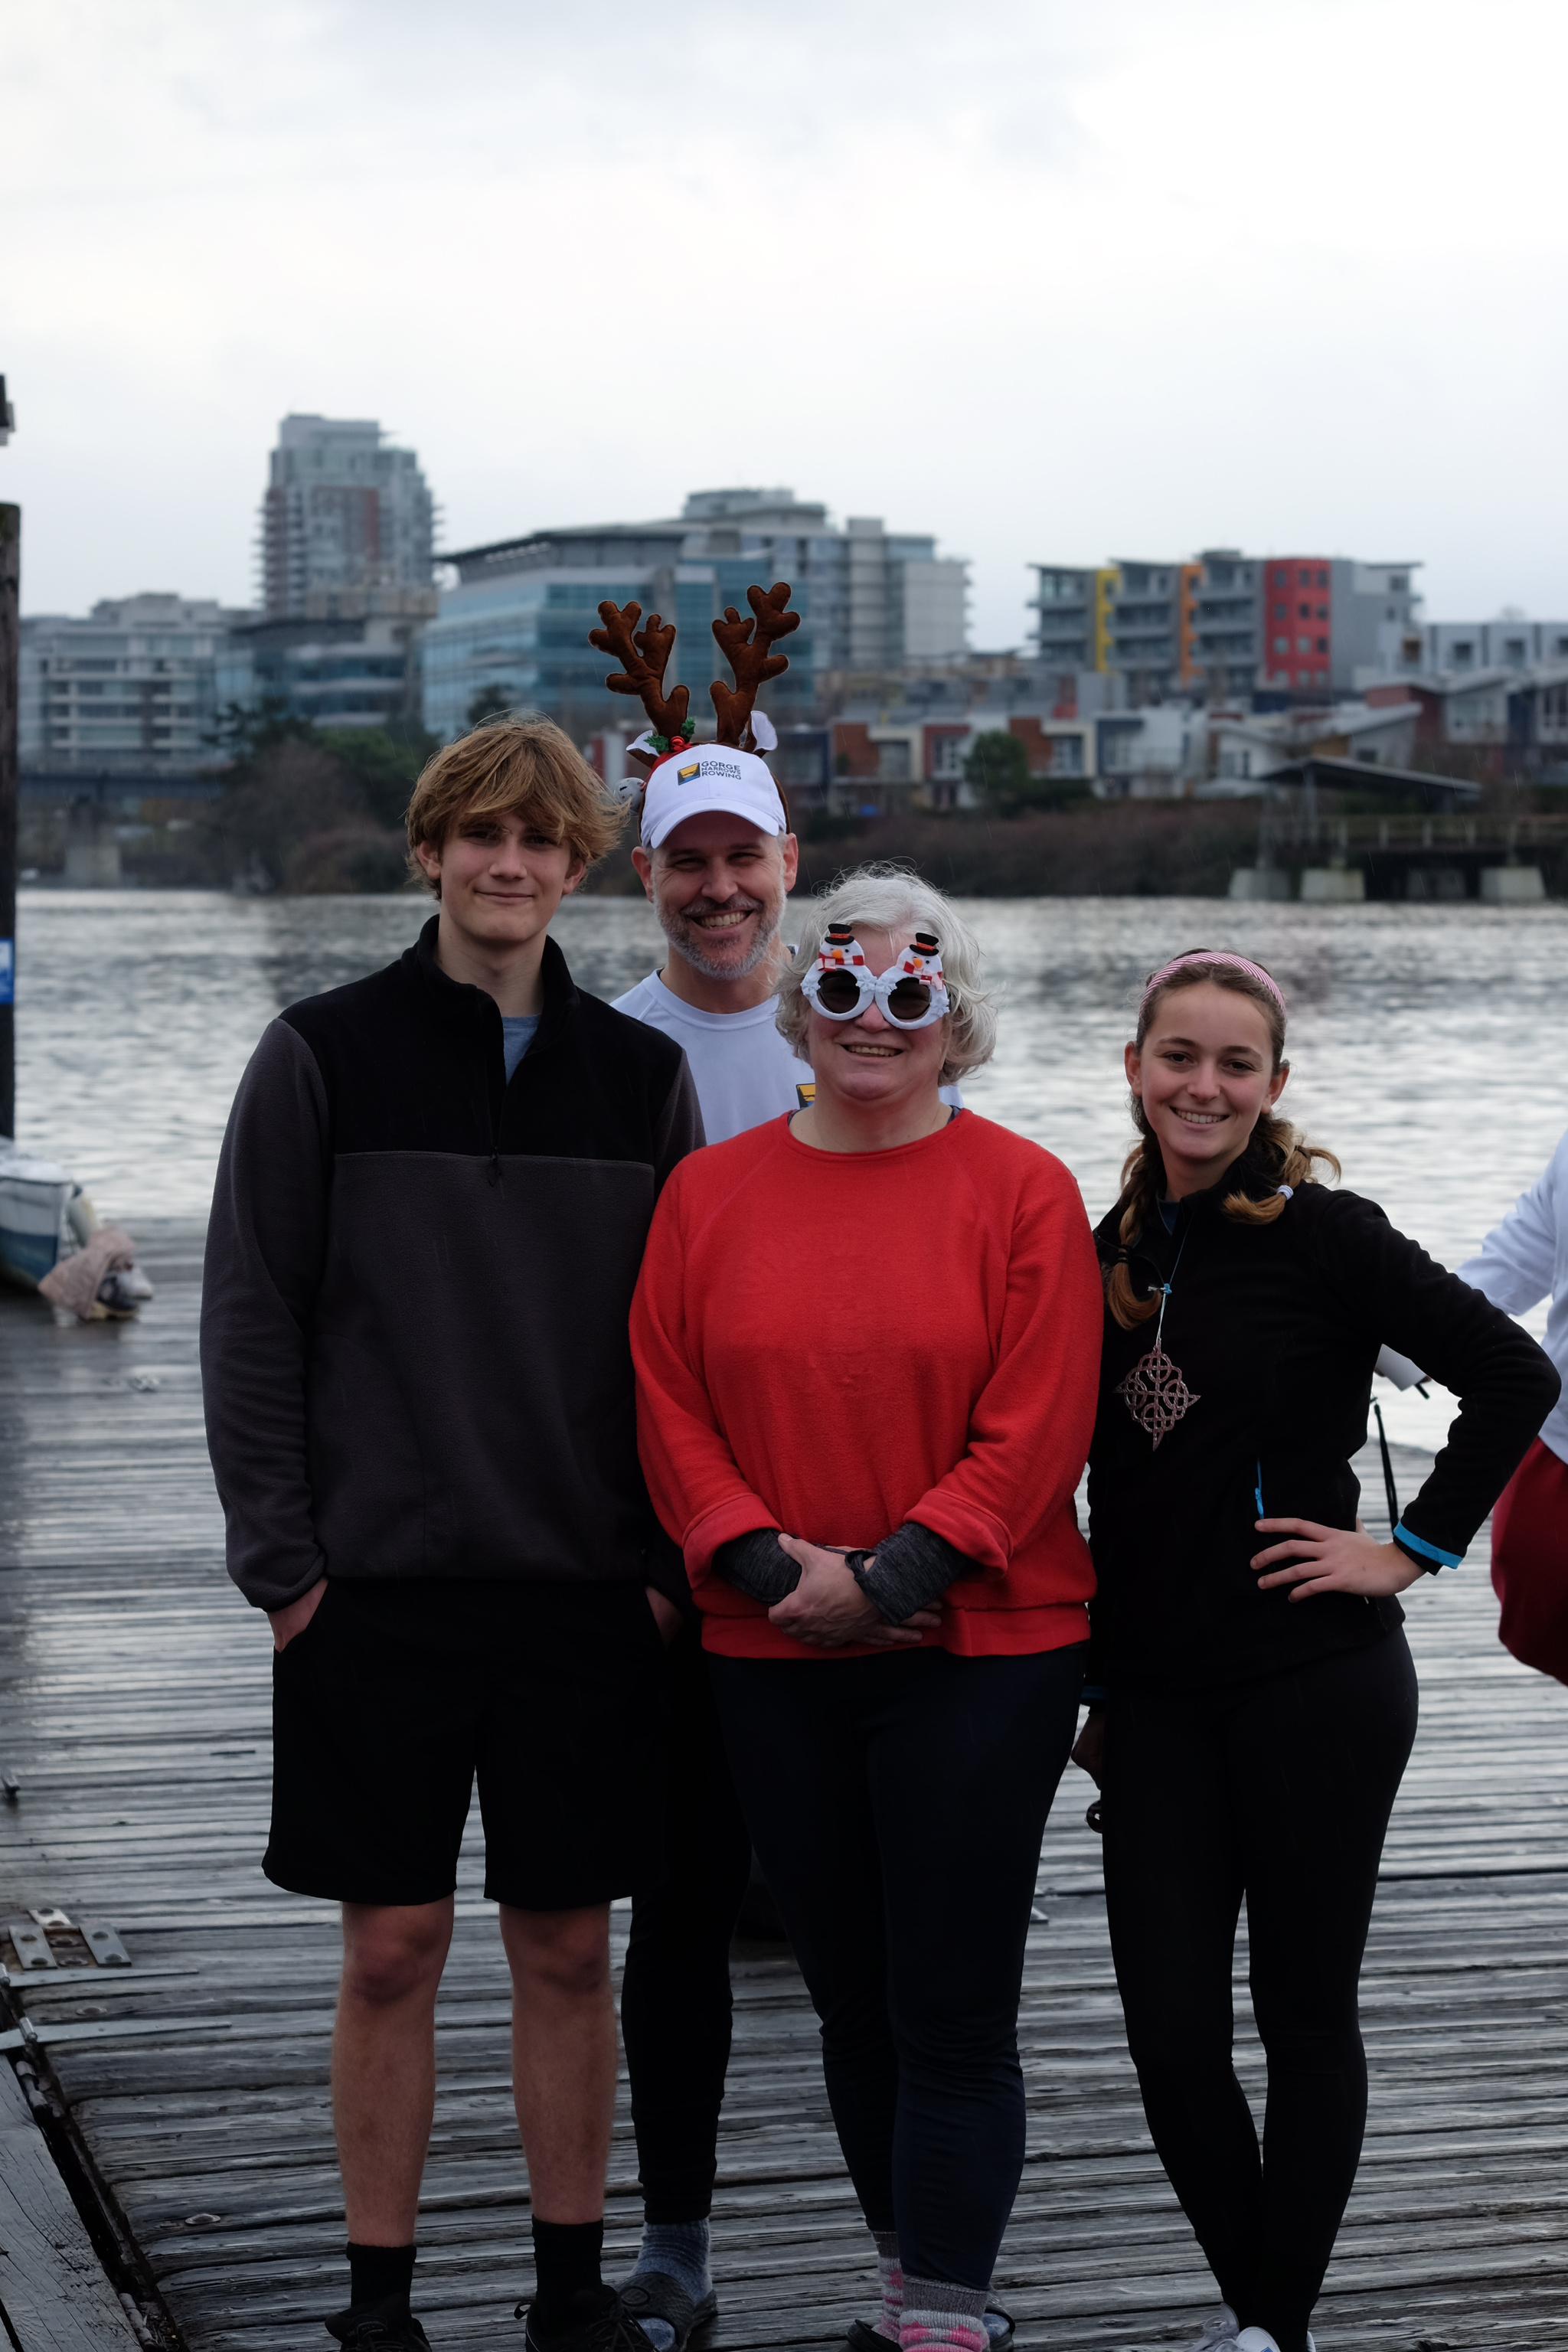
684	775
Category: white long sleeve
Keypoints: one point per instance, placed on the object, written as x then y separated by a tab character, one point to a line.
1525	1259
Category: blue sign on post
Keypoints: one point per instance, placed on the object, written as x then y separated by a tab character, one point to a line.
7	971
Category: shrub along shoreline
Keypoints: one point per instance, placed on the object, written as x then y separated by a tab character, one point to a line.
303	814
1111	849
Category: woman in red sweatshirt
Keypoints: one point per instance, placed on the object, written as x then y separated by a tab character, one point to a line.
866	1338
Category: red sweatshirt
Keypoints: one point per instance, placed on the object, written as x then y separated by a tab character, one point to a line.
830	1343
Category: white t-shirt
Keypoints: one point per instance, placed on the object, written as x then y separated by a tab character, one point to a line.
745	1073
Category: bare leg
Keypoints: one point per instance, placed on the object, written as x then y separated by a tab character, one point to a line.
564	2054
384	2061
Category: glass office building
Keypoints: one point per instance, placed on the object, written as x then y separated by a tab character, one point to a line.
334	673
513	629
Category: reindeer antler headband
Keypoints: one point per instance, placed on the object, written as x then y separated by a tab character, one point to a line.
645	656
745	644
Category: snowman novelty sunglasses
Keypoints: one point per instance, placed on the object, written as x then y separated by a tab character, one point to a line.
912	992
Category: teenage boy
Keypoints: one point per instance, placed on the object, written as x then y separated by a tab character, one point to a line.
429	1215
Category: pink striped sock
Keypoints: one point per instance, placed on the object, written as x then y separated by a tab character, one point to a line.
891	2278
938	2318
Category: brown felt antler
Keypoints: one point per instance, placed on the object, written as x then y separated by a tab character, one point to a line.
645	654
744	645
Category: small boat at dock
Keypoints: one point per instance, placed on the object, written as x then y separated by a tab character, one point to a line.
53	1241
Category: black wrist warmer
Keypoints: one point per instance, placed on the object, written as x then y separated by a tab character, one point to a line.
911	1570
754	1564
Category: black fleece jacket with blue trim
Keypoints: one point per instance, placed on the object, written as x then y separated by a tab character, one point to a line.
414	1350
1275	1329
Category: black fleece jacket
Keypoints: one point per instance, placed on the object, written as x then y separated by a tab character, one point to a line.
414	1321
1275	1329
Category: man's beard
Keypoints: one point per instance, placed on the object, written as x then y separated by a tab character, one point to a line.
689	941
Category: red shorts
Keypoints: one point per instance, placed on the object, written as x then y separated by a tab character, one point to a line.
1530	1561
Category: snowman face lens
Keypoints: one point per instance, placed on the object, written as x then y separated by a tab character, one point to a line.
910	992
907	1002
839	994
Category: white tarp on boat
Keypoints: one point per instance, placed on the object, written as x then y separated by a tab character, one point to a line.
34	1198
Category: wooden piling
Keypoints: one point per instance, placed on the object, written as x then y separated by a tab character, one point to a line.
10	656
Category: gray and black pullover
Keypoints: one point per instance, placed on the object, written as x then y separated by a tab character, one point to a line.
418	1275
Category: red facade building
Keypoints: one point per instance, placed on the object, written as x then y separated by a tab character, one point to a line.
1298	623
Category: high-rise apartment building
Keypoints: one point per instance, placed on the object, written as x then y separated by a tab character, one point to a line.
132	687
347	525
1225	623
516	625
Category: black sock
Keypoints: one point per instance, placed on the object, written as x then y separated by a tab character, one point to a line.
566	2256
376	2272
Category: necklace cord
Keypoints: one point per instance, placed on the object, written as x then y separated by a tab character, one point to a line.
1166	1286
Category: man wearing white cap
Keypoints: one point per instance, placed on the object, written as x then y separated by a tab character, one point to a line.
717	859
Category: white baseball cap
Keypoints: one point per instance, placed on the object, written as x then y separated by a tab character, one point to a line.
708	777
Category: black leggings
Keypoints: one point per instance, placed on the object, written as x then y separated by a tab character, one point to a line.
896	1804
675	1999
1281	1790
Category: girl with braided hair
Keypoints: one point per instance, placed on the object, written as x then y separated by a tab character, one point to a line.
1254	1699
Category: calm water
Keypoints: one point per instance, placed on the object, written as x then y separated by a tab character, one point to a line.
1425	1043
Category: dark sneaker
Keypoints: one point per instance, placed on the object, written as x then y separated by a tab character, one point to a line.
599	2321
385	2326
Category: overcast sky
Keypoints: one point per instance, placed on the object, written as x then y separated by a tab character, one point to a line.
1055	282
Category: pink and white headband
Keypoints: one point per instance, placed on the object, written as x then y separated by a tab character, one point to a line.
1217	955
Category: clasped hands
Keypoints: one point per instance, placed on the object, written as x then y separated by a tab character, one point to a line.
828	1610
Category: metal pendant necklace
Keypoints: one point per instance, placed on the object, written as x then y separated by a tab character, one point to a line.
1154	1393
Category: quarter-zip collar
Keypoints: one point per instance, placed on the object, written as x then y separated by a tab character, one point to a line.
474	1014
459	999
1245	1174
1152	1252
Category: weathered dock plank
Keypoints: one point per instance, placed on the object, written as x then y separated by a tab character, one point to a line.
54	2297
133	1712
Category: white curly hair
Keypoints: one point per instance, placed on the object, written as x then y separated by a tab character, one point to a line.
884	897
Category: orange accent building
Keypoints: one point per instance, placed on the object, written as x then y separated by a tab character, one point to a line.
1189	579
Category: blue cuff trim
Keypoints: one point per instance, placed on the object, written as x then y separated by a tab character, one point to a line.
1423	1549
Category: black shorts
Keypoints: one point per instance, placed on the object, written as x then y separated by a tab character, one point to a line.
397	1694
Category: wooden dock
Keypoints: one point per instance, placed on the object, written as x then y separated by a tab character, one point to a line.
193	2086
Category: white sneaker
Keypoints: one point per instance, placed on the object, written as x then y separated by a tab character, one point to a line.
1258	2339
1221	2329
